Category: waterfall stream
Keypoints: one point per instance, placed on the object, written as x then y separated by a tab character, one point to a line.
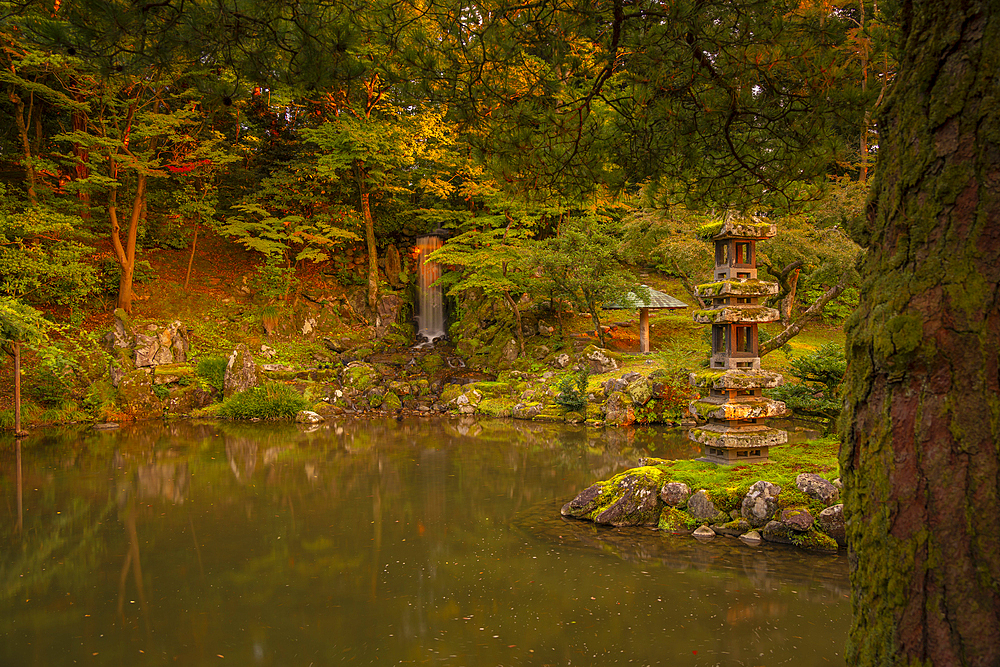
430	302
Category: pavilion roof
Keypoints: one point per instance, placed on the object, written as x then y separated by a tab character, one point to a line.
657	299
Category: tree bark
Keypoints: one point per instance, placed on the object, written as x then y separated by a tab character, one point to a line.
920	457
22	131
366	213
125	253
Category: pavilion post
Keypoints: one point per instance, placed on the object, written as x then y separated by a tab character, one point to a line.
644	330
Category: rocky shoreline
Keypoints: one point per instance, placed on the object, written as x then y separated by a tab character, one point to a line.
808	516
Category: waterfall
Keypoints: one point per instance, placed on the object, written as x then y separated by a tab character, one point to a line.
430	302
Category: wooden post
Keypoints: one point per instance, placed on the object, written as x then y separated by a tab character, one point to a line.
17	389
643	330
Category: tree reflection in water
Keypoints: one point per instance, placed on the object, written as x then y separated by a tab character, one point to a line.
377	542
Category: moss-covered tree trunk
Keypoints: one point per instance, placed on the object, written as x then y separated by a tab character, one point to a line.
922	419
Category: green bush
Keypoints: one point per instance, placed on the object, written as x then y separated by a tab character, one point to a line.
573	390
817	393
272	400
212	370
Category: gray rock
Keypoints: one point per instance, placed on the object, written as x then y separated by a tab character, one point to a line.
704	532
700	507
387	313
751	538
639	391
637	503
241	372
776	531
613	385
600	361
831	520
618	409
584	503
733	528
631	376
797	518
561	360
818	488
527	411
308	417
510	351
760	503
675	494
146	348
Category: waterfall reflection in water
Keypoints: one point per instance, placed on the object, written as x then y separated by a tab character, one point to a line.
378	542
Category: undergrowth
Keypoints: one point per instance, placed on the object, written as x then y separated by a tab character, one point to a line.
271	400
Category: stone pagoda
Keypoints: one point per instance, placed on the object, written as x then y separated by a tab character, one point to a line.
731	400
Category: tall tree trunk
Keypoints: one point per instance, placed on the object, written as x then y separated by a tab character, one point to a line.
920	457
125	252
366	213
22	131
194	245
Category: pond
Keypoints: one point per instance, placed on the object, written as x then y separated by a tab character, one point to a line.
378	542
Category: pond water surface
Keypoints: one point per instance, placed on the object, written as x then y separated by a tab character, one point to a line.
378	542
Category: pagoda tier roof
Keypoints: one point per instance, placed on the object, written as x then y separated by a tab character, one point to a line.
742	407
757	288
748	437
745	229
736	314
735	379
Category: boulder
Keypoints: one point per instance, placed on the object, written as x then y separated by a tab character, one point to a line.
387	310
797	518
639	391
584	503
561	360
776	531
241	372
613	385
751	538
393	266
308	417
760	503
701	507
136	397
618	409
817	488
527	410
510	351
831	520
734	528
628	499
636	502
599	360
675	494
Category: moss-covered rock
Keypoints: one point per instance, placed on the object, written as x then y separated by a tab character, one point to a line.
630	498
359	376
391	402
136	397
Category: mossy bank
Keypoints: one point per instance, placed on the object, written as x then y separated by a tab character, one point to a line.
789	499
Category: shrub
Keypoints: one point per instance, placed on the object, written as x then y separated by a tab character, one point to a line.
212	370
272	400
573	390
817	393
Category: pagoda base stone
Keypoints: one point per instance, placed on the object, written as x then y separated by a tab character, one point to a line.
736	445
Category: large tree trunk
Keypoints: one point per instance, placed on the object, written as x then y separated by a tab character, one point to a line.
921	424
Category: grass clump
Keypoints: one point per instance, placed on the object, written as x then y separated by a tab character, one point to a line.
271	400
212	370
